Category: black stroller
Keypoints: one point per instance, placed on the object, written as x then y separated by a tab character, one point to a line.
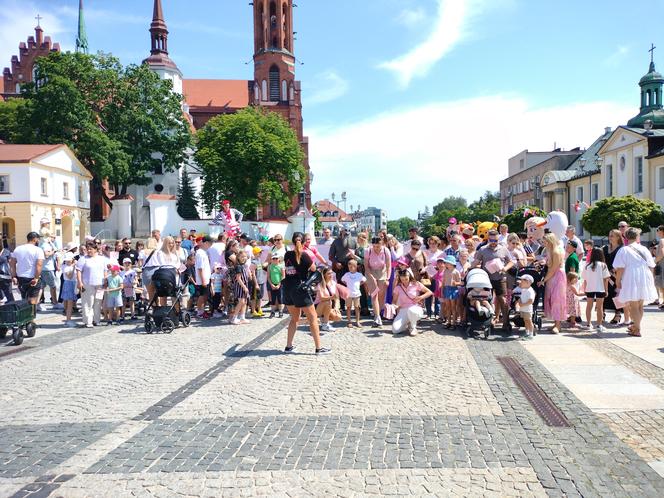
165	318
478	286
537	274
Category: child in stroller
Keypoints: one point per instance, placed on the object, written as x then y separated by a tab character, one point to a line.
167	317
479	303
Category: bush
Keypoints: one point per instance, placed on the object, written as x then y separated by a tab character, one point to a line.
605	215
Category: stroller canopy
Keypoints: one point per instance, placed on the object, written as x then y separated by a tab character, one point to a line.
478	279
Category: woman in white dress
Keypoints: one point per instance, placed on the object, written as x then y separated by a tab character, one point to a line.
634	278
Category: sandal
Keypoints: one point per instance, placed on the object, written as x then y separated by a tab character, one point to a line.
616	320
634	332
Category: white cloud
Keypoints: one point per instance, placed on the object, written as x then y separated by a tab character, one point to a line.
17	22
451	27
406	159
325	87
412	17
618	55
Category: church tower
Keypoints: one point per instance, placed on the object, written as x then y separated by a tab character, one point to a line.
652	107
274	84
159	61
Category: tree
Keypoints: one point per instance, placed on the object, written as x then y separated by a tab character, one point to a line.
399	228
318	225
517	218
486	208
9	113
450	203
251	157
121	122
605	214
187	202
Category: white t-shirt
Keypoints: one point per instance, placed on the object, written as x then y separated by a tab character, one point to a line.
595	278
160	258
202	263
92	270
26	257
69	272
216	254
353	281
526	295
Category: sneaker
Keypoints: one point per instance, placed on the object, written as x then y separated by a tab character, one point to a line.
41	307
600	329
272	314
289	349
327	327
255	314
259	312
527	337
70	323
281	314
323	351
413	332
235	321
89	326
378	322
58	306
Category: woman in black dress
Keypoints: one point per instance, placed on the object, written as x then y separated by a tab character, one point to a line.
610	251
298	300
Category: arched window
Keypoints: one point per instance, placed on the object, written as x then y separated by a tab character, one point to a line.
655	97
648	98
274	84
257	93
284	90
292	92
264	90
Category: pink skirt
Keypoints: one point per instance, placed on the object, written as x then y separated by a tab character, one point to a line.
555	297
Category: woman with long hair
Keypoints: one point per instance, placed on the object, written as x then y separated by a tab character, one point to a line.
555	292
378	268
396	251
298	299
408	297
166	257
610	251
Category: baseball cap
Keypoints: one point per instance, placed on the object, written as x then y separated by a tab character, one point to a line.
115	268
68	257
450	260
527	278
573	243
126	260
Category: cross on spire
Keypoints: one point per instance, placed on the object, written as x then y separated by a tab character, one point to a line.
652	52
39	18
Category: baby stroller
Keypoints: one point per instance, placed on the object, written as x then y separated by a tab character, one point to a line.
478	287
537	274
165	318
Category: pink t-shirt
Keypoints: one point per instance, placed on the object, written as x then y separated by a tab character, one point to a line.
376	261
405	296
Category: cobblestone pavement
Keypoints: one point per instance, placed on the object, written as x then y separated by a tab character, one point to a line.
215	410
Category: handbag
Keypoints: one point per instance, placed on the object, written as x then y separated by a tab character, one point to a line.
390	311
335	315
425	281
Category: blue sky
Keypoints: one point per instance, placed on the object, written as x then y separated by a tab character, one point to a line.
406	101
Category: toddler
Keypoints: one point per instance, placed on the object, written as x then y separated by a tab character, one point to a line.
276	273
596	286
258	273
354	281
573	293
69	285
129	283
240	285
216	289
524	305
113	295
451	283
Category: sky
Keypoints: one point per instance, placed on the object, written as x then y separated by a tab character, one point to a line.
405	101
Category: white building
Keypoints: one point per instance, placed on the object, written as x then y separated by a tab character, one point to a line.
43	182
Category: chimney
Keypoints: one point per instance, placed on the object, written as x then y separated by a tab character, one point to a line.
607	129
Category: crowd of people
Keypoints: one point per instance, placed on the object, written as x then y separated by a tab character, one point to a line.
234	277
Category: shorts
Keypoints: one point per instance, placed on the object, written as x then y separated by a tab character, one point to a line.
202	291
276	296
69	290
129	299
499	287
526	314
450	292
355	301
595	295
113	301
297	297
28	291
48	279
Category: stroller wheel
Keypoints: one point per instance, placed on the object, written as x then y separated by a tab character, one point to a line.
3	332
31	329
167	326
488	331
17	334
539	323
185	318
149	325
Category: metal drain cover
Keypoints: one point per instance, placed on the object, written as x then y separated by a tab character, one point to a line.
540	401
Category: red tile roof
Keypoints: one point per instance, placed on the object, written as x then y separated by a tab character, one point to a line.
216	93
326	205
22	153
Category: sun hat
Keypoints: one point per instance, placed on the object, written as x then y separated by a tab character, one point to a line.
68	257
451	260
257	251
115	268
126	260
71	246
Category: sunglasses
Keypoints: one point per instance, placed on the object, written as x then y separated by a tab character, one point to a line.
278	240
415	245
403	273
493	240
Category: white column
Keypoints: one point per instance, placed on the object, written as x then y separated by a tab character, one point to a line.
122	216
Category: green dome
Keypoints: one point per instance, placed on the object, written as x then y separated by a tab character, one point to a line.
652	77
655	115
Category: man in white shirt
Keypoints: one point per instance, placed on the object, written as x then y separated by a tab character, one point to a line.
26	265
203	273
327	237
91	272
216	252
50	267
412	235
570	234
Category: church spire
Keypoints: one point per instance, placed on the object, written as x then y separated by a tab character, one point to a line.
82	37
158	30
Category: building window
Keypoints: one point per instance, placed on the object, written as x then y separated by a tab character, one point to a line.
65	190
661	178
579	194
638	175
594	192
80	192
274	84
521	163
609	180
44	186
4	184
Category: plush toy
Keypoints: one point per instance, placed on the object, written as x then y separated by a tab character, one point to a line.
229	218
452	226
467	230
484	227
556	223
535	228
